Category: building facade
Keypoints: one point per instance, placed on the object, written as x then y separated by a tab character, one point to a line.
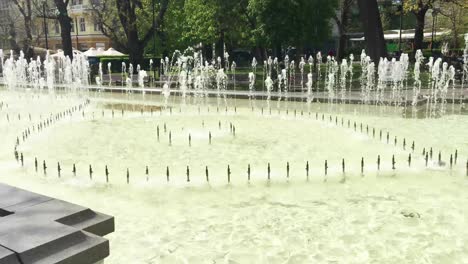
9	24
4	24
86	32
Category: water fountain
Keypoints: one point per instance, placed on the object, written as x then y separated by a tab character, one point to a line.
465	66
207	163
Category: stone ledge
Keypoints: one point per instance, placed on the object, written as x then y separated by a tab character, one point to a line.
38	229
7	256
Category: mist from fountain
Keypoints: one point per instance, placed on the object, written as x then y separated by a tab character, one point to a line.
251	86
269	88
419	57
221	86
302	64
99	78
382	83
309	84
49	66
344	69
370	82
109	72
465	65
319	69
331	80
141	78
351	72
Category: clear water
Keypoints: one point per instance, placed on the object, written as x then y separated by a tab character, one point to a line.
411	214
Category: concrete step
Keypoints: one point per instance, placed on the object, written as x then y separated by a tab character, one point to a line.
8	256
90	221
36	229
78	247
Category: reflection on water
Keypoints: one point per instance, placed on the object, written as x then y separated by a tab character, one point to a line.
131	107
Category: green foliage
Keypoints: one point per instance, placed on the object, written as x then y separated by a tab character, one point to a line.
390	15
298	22
245	23
190	22
201	24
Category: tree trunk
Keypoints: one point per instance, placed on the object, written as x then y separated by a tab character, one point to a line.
258	54
27	45
128	18
65	27
340	52
299	52
277	51
343	29
419	30
454	19
220	47
25	10
12	37
136	42
135	46
207	51
163	42
373	32
136	50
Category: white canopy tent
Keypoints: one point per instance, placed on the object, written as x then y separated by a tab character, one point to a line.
112	52
92	52
60	53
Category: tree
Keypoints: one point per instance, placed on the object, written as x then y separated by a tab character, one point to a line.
65	26
419	8
105	14
11	20
171	34
26	11
342	22
12	36
298	23
128	23
455	17
257	24
214	21
372	25
137	36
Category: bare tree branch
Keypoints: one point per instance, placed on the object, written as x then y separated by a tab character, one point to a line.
157	23
20	7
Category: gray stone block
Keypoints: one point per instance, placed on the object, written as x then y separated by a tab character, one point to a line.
39	229
8	256
12	198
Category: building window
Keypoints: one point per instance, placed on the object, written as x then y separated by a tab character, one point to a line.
77	2
57	27
4	4
97	26
82	24
72	26
4	18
